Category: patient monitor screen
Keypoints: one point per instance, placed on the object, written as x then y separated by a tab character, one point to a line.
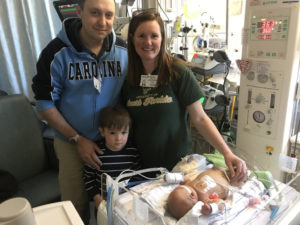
65	9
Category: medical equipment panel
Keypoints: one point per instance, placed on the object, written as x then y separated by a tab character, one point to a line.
271	48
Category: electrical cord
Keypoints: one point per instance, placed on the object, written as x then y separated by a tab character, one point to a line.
221	126
163	11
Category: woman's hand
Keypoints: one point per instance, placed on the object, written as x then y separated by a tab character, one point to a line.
237	167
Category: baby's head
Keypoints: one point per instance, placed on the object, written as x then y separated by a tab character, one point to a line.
181	200
114	126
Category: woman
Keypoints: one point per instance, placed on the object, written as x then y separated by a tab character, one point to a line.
159	92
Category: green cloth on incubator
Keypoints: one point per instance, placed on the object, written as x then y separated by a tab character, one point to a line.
216	158
263	176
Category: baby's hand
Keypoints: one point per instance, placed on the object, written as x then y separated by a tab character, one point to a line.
253	202
206	209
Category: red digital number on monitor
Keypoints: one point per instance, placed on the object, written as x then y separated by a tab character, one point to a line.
266	26
265	37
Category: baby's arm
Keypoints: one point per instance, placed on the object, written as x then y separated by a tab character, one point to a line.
213	206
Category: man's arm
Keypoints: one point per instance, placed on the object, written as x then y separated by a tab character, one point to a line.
86	148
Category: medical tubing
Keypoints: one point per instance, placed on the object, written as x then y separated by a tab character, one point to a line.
225	113
133	183
111	189
278	214
138	172
131	191
109	206
233	189
279	193
163	11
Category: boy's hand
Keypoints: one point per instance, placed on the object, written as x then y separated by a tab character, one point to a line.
97	199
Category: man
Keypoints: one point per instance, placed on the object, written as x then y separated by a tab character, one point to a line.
80	72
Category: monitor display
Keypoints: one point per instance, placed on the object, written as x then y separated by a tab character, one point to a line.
65	8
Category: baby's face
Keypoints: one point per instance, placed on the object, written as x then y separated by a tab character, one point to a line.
181	200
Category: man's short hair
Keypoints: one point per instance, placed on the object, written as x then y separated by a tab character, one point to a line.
81	3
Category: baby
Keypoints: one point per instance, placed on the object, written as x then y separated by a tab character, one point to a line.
210	187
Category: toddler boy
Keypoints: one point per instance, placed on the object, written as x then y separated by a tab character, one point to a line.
117	155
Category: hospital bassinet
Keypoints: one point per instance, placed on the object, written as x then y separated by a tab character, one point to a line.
145	204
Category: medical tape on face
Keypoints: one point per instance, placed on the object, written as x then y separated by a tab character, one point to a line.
210	183
186	188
